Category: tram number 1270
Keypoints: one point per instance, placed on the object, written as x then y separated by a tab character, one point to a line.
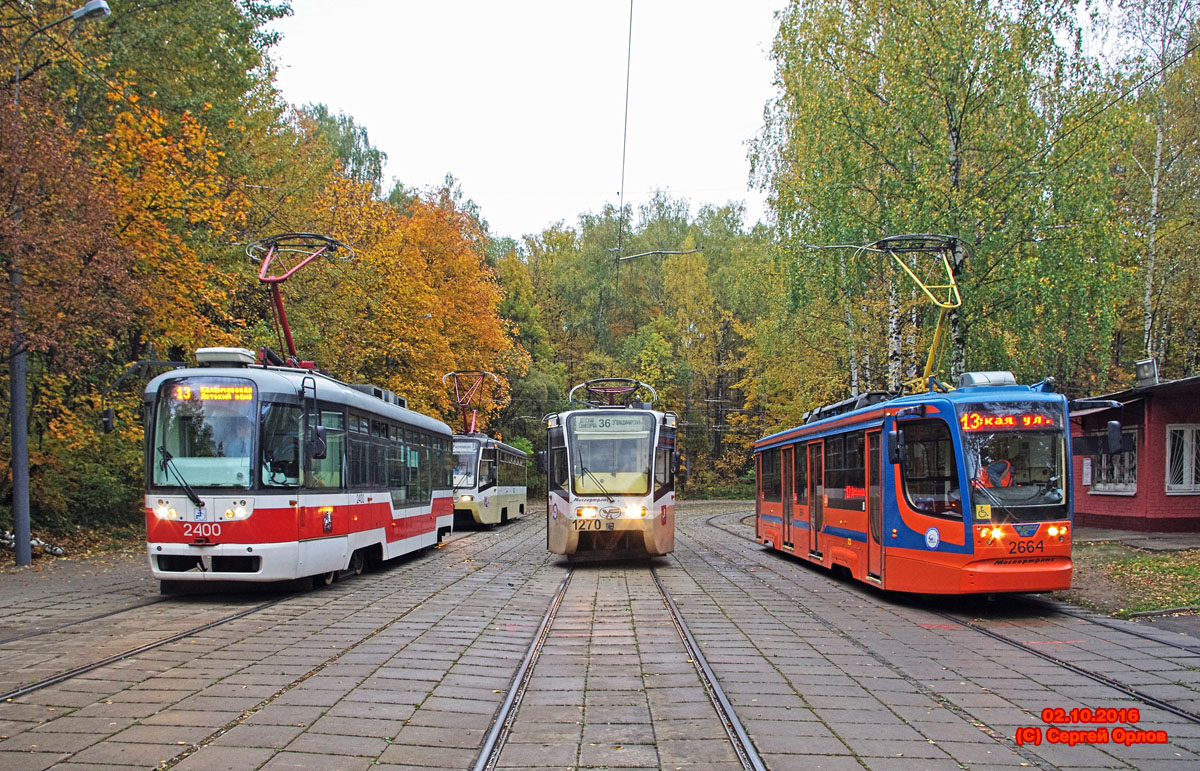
588	524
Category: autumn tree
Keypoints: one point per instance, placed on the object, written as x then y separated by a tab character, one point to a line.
986	128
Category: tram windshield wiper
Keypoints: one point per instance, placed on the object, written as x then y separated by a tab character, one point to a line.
168	464
995	501
599	484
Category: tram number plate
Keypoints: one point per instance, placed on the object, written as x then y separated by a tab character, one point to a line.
589	524
201	530
1026	547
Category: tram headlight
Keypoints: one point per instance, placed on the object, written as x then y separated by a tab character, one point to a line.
587	512
238	510
1052	530
633	511
164	510
467	497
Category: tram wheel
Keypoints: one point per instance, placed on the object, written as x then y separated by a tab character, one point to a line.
324	579
504	516
357	562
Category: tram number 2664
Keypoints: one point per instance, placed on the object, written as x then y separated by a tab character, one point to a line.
588	524
1026	547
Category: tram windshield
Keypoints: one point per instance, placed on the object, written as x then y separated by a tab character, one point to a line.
610	453
207	426
1015	460
466	459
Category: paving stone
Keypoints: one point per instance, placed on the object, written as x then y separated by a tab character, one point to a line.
213	758
330	744
300	761
266	736
29	761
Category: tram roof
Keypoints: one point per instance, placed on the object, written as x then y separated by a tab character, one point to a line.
286	381
478	437
562	415
877	410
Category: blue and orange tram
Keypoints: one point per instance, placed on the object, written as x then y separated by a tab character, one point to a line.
947	492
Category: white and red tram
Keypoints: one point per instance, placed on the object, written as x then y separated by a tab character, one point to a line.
262	473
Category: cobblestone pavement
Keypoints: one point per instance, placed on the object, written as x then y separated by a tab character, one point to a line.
882	682
406	667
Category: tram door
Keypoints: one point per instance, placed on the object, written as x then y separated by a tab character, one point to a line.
816	494
874	508
785	470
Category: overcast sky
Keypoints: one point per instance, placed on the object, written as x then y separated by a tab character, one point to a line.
523	101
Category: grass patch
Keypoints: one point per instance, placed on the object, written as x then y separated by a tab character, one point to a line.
1121	580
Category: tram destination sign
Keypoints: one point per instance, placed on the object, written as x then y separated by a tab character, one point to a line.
213	393
609	423
1013	421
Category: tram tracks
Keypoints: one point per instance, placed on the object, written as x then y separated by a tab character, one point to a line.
83	669
1097	677
738	737
493	745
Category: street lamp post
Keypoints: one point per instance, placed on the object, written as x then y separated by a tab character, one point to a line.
93	9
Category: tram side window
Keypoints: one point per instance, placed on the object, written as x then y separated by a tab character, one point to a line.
445	465
418	468
930	470
835	471
327	471
801	464
662	470
559	469
487	467
772	482
280	446
854	474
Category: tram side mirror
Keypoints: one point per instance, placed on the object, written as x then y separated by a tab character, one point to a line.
1112	437
542	465
318	445
895	440
679	467
108	420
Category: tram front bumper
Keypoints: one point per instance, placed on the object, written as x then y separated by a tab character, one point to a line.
1017	574
259	562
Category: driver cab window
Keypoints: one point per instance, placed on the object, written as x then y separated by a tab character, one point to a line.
280	445
930	470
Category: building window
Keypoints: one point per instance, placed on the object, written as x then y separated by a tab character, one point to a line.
1183	458
1116	473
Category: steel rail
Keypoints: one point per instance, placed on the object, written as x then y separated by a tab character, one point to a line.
742	743
1052	607
84	669
98	616
493	745
70	673
1094	676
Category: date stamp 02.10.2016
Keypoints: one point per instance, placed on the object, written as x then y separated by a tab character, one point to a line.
1096	731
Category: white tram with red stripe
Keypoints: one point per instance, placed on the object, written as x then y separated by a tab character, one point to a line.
271	473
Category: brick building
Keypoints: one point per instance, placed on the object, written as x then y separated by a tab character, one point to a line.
1155	486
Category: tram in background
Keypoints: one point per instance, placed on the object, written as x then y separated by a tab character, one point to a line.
954	492
489	480
261	473
611	468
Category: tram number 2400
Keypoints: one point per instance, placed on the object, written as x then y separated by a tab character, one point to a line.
205	529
